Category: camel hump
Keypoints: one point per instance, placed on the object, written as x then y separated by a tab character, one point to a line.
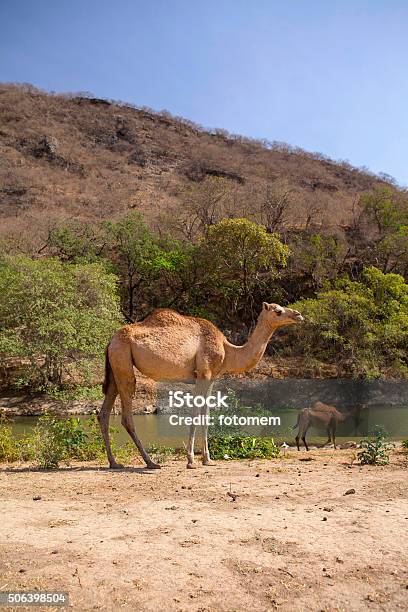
164	317
321	407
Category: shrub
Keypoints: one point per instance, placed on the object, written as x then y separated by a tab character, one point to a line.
55	314
375	449
160	453
9	447
48	442
363	325
242	447
57	440
241	260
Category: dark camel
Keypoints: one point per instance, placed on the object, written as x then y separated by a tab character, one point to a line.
323	415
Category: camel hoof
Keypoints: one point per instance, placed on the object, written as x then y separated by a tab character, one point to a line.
209	462
153	466
191	466
116	466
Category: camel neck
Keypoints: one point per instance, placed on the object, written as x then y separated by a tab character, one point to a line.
245	357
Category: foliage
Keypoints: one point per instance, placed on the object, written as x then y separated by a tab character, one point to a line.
77	242
58	440
9	444
375	449
55	314
318	259
242	259
237	446
76	392
232	441
386	210
160	453
49	444
140	257
361	325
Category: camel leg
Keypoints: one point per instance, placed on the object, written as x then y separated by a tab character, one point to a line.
206	412
103	418
126	391
304	432
201	388
191	465
329	435
301	434
334	435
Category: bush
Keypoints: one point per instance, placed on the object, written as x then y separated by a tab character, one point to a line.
242	447
241	260
58	440
9	447
55	315
362	326
160	453
48	442
375	449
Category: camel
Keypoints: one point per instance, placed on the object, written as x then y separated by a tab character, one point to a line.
169	346
323	415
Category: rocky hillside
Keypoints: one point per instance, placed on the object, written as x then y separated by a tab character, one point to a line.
75	156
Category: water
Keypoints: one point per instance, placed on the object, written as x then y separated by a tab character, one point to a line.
152	428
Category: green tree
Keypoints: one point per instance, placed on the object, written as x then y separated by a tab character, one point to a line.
241	260
55	315
145	263
386	245
361	326
77	242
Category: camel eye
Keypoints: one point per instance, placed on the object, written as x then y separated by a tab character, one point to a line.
279	313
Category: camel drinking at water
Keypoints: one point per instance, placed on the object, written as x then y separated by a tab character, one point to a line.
323	415
170	346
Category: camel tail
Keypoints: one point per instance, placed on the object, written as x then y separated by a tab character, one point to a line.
297	422
108	372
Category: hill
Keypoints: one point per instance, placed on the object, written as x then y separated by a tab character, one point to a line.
76	156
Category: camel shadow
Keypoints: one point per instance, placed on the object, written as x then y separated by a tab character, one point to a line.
82	468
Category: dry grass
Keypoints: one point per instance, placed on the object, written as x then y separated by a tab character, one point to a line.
107	158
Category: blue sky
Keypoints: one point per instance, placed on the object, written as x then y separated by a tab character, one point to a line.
329	76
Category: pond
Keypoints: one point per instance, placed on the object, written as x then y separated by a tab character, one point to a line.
158	429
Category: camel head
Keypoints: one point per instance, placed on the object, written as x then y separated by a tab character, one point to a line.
280	316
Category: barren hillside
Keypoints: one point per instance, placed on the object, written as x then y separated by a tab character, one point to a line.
80	157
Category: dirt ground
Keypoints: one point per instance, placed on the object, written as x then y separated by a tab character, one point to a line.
175	539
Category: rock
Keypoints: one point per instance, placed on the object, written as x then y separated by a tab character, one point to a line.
37	497
48	145
232	495
328	508
324	518
150	409
349	492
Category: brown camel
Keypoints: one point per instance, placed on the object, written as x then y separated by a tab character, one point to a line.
170	346
323	415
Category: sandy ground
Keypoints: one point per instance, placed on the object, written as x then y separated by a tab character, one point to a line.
174	539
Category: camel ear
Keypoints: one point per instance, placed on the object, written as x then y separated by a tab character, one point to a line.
266	306
279	309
